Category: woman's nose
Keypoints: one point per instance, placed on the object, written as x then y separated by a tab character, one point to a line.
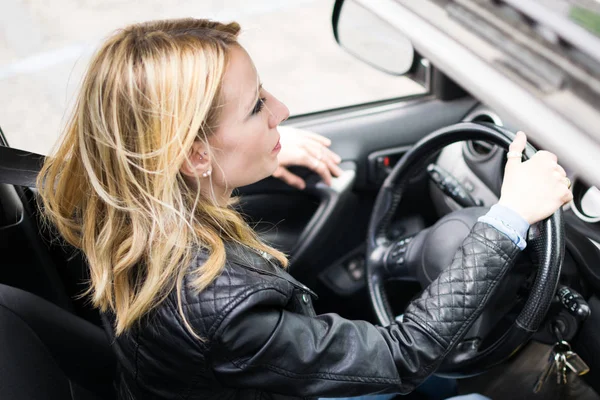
279	113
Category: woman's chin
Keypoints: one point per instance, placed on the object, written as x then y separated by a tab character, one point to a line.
272	166
269	171
274	169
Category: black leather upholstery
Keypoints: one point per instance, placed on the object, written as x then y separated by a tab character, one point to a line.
47	353
19	167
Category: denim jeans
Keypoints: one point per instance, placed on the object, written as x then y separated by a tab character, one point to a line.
434	388
473	396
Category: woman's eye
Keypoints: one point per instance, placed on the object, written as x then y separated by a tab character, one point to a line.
259	105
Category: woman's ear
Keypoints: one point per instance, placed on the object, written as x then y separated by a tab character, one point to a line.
198	162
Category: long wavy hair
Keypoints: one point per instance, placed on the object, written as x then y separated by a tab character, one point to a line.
112	187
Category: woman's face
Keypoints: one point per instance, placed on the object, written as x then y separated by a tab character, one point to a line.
246	142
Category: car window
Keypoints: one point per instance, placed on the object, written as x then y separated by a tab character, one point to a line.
45	49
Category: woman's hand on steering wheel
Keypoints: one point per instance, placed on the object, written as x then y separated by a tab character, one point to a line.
536	188
307	149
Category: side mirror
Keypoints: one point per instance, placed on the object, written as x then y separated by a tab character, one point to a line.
372	40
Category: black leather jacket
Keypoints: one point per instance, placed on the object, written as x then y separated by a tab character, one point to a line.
262	339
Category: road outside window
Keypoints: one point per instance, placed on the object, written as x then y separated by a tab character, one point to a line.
46	46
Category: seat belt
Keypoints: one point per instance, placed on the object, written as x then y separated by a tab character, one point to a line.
19	167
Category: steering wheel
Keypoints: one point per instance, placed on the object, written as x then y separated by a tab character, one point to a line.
432	249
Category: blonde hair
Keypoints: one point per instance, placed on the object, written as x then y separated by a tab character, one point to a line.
113	187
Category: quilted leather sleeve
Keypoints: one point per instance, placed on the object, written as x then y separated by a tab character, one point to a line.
261	346
456	298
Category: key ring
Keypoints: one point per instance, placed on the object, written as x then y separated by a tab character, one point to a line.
566	346
557	332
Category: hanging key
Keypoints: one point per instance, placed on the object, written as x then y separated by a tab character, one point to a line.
576	363
563	371
560	368
559	350
572	359
549	369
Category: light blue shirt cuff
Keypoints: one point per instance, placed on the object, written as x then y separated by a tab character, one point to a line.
508	222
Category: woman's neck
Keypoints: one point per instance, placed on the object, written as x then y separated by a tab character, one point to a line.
218	194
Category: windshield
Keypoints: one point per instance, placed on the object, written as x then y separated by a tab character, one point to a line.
585	13
576	22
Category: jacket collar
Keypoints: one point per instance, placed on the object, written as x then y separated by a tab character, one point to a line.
246	256
263	263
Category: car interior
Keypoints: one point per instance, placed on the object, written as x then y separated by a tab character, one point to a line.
52	342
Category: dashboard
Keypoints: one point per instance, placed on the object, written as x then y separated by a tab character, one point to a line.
479	167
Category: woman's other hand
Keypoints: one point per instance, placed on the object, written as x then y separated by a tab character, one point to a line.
536	188
306	149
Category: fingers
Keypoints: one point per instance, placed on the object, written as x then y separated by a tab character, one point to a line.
565	193
537	187
518	144
321	152
560	178
563	190
289	178
567	196
548	162
319	167
547	155
334	168
322	140
309	150
318	138
515	150
330	155
563	184
324	162
560	170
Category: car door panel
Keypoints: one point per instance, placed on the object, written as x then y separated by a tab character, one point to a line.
357	133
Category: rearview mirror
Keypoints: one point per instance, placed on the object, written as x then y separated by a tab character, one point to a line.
372	40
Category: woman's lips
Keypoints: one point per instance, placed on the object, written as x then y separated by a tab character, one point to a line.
277	147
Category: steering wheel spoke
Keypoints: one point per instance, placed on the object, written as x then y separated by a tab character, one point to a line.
402	257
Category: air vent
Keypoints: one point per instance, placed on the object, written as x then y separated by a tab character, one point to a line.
479	150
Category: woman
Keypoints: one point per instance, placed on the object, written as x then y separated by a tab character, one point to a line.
170	119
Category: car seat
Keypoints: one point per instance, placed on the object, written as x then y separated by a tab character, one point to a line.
47	353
